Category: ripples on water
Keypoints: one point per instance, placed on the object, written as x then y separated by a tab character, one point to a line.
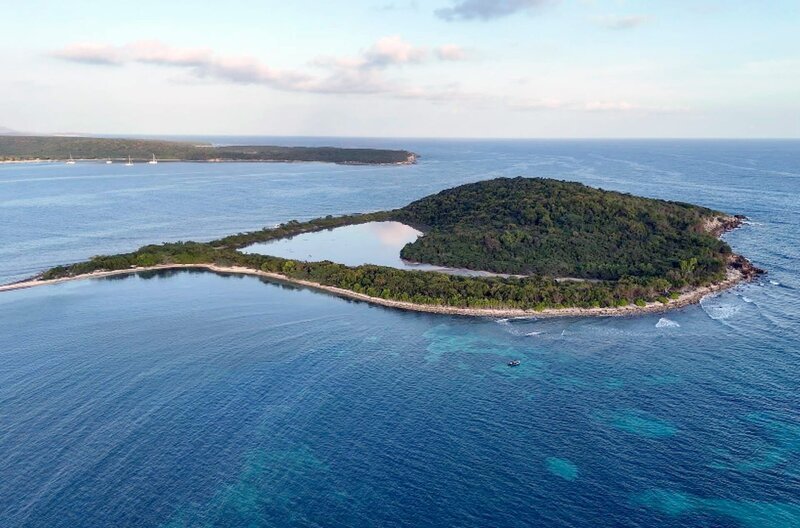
189	399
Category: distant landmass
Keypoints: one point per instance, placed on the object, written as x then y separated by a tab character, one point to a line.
25	148
5	131
576	250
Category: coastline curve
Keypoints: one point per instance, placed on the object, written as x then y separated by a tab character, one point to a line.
694	296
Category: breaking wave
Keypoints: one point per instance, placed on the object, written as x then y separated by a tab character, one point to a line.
718	310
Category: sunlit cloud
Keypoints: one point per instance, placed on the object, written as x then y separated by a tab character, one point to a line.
452	52
201	62
360	74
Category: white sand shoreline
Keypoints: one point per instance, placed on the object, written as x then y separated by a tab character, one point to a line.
410	160
734	277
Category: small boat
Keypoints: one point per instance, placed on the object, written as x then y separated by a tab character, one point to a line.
153	161
514	363
108	161
70	161
130	163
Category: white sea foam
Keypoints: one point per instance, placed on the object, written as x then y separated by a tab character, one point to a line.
666	323
719	311
532	334
746	299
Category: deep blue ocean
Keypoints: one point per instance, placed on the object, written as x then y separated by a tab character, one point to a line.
193	399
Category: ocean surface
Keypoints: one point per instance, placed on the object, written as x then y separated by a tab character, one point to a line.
194	399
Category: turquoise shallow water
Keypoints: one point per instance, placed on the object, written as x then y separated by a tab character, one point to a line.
191	399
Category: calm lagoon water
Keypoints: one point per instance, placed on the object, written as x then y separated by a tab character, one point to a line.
371	243
193	399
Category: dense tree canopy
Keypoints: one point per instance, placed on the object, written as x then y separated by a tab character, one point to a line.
535	226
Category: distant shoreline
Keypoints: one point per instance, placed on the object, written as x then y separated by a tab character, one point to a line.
411	160
57	149
734	277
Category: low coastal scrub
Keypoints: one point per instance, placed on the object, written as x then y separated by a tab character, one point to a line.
666	249
420	287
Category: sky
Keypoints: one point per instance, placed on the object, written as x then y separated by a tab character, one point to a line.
403	68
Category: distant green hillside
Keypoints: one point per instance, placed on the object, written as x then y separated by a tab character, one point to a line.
59	148
563	229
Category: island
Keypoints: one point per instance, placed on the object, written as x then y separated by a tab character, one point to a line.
556	248
58	148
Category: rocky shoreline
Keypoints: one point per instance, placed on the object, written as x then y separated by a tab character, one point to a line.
738	272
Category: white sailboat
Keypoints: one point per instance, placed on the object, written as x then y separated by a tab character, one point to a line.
108	161
130	163
153	161
70	161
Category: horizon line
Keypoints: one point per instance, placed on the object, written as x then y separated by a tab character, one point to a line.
137	135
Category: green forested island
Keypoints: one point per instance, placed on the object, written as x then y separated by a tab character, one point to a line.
563	229
617	249
23	148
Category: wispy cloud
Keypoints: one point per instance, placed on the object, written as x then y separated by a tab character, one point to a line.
91	53
592	106
620	22
396	6
361	74
199	61
488	9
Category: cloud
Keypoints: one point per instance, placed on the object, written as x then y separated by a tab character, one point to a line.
451	52
89	53
592	106
393	51
362	74
397	6
202	63
488	9
620	22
